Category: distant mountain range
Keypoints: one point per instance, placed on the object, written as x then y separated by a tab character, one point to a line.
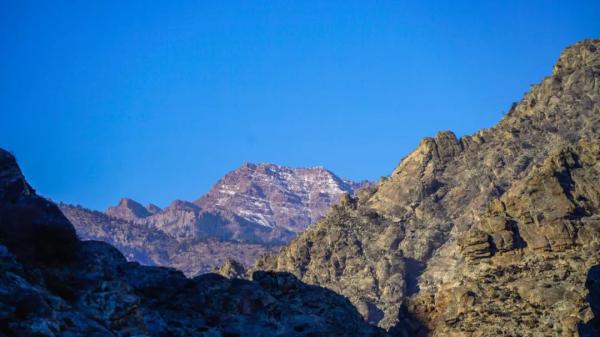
250	211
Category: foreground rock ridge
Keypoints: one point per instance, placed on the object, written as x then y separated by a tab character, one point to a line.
249	212
53	284
493	234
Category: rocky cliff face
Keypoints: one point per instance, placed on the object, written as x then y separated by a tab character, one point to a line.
490	234
525	260
249	212
52	284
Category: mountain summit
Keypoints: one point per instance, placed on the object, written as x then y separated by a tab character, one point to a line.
129	209
277	196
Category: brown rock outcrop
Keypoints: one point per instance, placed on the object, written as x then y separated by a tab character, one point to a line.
526	270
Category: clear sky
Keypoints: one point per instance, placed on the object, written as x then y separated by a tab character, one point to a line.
156	100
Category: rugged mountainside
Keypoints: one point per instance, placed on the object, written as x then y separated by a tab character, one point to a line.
151	246
249	212
52	284
491	234
528	255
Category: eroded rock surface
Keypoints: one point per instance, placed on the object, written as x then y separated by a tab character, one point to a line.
526	260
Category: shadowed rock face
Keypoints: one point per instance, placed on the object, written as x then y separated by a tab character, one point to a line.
482	235
25	217
52	284
251	211
592	327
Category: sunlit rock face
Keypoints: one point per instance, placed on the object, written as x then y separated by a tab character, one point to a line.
249	212
483	235
53	284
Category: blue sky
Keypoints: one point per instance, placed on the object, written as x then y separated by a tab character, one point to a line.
156	100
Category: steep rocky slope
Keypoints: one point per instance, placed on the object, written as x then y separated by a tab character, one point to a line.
52	284
252	210
526	259
490	234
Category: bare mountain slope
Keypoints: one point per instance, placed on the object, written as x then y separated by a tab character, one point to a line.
401	239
